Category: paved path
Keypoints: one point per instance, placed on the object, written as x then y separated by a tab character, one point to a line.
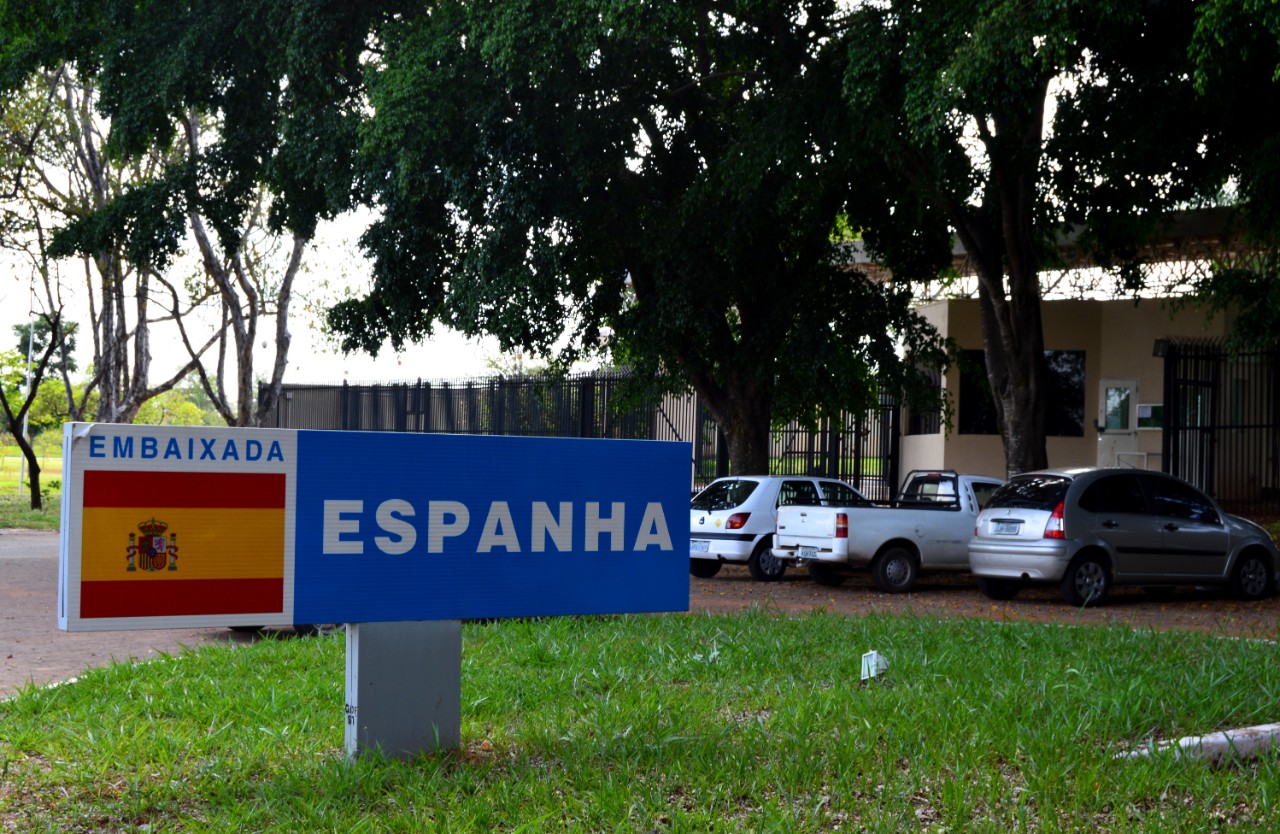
33	650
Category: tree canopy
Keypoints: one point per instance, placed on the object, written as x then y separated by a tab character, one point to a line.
956	98
1236	51
656	179
663	179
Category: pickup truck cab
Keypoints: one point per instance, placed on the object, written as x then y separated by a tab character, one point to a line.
733	519
928	527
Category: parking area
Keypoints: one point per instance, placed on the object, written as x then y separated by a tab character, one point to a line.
32	649
1208	610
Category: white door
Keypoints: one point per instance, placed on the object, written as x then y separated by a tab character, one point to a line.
1118	423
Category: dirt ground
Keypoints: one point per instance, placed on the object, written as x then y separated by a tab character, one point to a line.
955	595
33	650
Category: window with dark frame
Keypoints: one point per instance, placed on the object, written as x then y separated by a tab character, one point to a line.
1064	411
926	420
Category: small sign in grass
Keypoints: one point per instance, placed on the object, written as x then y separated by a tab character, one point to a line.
753	722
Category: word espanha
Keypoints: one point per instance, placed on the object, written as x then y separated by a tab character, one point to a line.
451	519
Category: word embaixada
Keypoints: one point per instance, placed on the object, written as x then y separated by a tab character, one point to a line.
183	448
395	519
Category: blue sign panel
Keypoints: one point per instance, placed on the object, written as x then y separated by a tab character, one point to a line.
435	527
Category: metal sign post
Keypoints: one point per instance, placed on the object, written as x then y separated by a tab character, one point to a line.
404	688
401	535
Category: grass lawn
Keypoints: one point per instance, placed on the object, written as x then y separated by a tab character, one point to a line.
690	723
16	512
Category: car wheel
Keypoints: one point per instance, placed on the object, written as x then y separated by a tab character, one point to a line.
826	575
1002	589
763	565
1252	578
895	570
704	568
1086	581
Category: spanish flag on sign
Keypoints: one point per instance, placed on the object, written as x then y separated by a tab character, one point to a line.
161	544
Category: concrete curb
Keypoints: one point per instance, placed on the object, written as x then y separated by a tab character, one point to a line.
1218	748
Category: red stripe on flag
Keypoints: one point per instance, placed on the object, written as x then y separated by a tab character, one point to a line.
180	597
212	490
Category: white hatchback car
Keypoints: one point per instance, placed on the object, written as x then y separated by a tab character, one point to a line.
733	519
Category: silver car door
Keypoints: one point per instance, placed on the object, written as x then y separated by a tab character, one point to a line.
1115	509
1194	536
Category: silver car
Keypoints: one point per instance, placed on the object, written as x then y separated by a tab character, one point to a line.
1088	529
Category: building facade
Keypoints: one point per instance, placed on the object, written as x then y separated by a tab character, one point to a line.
1107	397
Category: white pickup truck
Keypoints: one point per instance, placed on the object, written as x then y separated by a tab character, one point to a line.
927	528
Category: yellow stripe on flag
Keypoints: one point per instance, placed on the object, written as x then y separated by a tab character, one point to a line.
211	543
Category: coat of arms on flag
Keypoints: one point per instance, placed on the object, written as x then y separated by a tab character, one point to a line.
152	551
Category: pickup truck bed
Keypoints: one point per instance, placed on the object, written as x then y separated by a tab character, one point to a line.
927	528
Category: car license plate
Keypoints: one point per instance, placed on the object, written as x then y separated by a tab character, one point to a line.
808	553
699	547
1008	528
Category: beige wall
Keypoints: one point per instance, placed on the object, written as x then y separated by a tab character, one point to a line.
1118	339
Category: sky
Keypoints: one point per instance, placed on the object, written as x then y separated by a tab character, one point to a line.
332	266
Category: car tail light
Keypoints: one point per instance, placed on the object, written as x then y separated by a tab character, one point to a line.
737	521
842	525
1054	529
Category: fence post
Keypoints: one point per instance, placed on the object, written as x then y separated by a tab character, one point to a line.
895	445
570	407
498	405
586	408
1170	459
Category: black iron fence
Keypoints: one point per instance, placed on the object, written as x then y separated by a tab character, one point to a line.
859	448
1222	422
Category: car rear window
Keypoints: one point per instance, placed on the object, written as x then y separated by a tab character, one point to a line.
1035	492
724	495
798	492
837	494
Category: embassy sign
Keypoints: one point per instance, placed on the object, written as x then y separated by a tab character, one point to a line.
175	527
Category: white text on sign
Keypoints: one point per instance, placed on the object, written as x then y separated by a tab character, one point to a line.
397	528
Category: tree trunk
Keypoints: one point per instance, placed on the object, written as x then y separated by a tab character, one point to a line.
1013	345
1000	236
744	413
33	465
14	420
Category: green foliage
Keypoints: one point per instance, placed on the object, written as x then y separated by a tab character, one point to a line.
13	369
281	78
42	328
658	180
1250	290
49	409
184	405
1237	68
957	93
956	98
661	181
